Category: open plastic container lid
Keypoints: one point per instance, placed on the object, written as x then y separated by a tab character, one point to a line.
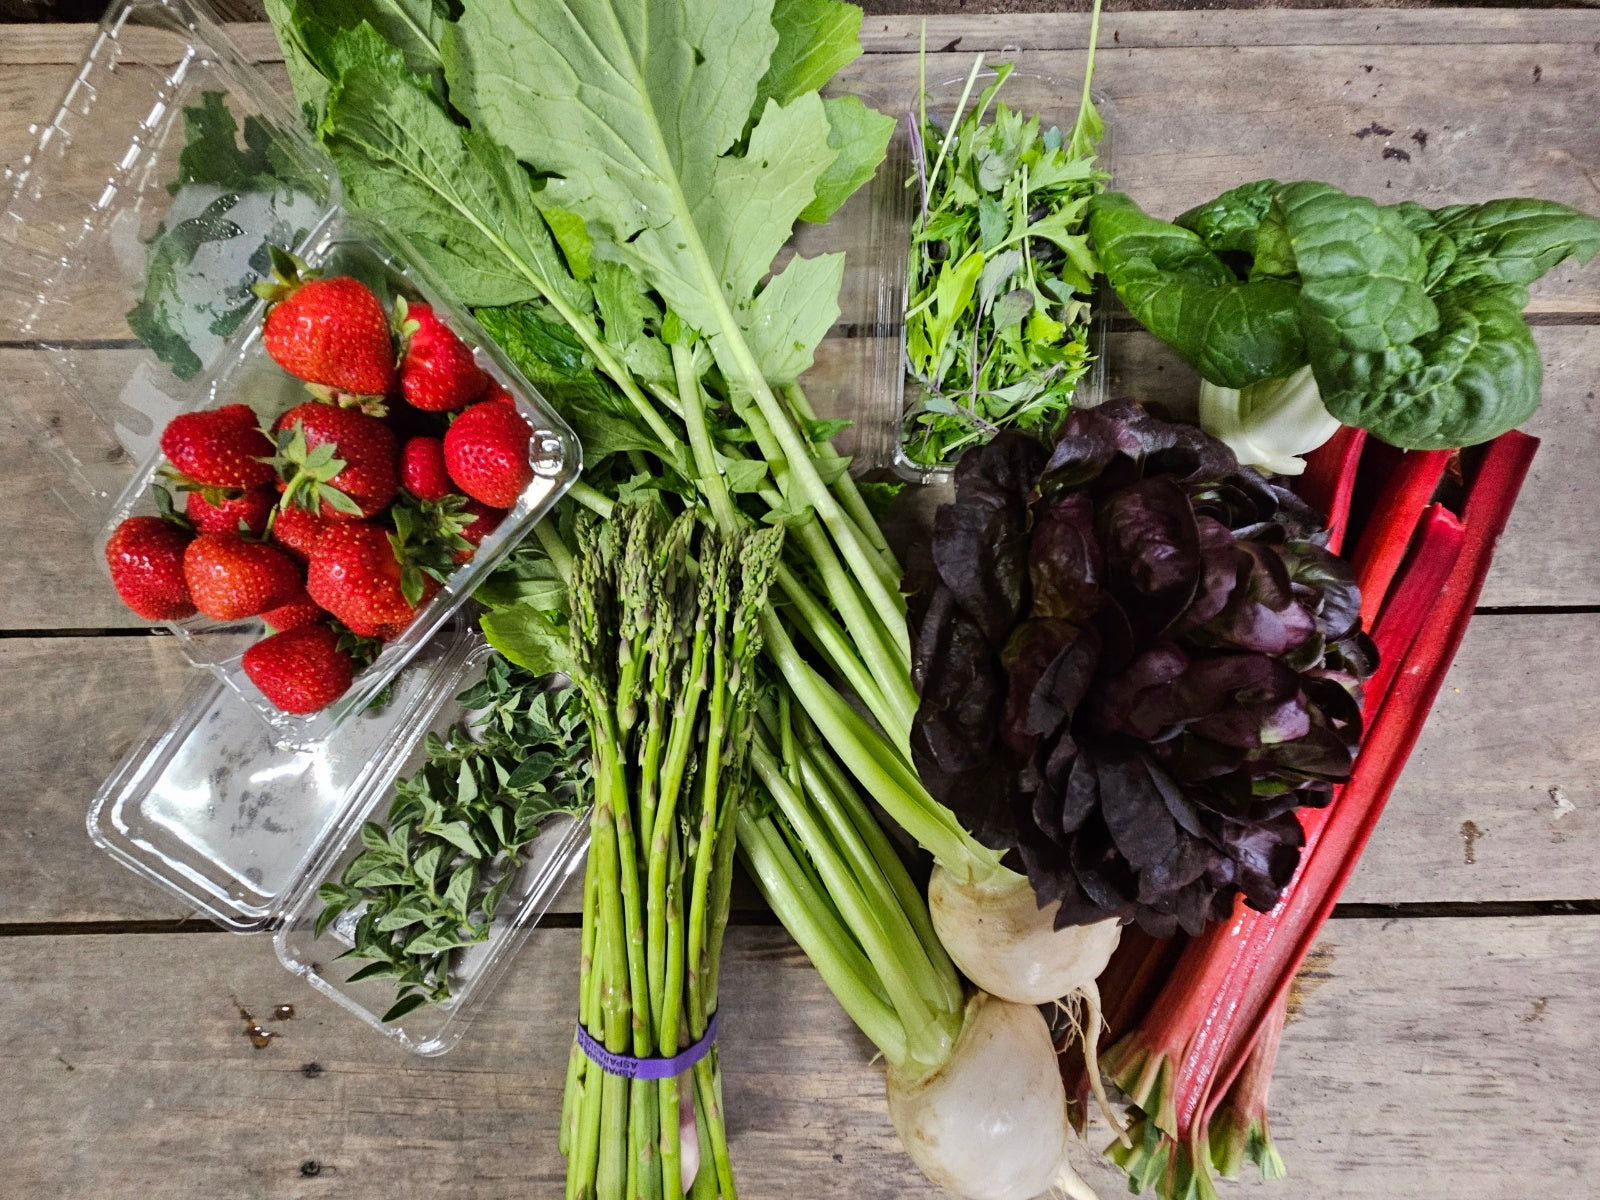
130	239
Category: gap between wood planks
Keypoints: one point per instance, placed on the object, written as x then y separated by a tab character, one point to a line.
762	918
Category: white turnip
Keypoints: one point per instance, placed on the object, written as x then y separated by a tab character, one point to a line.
996	933
991	1123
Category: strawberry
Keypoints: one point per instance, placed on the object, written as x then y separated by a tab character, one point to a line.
231	578
475	531
302	610
296	530
211	510
332	332
338	460
422	470
300	670
496	394
486	453
356	574
145	555
437	370
220	447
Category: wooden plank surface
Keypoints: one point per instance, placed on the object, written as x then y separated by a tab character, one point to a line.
1317	25
1430	1058
1509	748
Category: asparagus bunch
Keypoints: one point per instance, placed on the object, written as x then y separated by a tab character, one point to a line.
665	635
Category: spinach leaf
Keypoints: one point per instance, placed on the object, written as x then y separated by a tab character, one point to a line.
1410	318
1234	331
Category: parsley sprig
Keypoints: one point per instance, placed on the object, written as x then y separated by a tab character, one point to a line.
997	321
432	876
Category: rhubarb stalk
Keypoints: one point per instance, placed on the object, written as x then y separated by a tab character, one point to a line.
1183	1060
1383	543
1239	1131
1329	480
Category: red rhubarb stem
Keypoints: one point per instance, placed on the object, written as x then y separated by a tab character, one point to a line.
1439	541
1383	543
1239	1130
1294	924
1329	480
1228	978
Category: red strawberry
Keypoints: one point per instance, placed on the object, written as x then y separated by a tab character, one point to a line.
225	514
496	394
302	610
353	478
332	332
475	531
231	578
297	529
300	670
221	447
356	575
486	453
437	373
422	469
145	555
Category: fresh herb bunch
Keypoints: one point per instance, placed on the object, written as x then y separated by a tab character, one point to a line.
1137	660
997	324
665	641
434	874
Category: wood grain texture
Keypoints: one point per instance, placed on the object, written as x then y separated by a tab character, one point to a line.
1198	112
1509	747
1174	23
1462	1045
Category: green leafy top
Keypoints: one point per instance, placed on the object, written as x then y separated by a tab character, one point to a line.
639	114
1410	318
1001	270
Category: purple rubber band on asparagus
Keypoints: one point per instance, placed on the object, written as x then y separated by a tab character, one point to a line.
629	1067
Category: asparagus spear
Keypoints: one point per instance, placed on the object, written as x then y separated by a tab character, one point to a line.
665	638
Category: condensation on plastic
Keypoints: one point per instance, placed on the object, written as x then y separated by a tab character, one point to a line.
75	243
883	407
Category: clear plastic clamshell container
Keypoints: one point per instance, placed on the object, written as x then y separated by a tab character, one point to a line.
132	238
891	396
129	242
247	832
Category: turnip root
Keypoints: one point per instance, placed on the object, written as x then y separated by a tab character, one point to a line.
996	933
1001	939
991	1123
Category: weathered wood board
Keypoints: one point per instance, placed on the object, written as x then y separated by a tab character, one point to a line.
1508	748
1429	1058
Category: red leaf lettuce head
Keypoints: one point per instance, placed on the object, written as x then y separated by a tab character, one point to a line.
1135	660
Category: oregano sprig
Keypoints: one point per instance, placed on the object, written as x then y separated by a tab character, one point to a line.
432	876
